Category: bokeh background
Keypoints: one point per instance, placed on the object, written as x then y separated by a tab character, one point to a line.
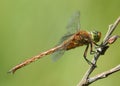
28	27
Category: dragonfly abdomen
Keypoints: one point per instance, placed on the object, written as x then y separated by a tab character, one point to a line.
34	58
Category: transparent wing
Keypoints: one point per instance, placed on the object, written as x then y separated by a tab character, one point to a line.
59	53
65	37
72	27
56	55
74	23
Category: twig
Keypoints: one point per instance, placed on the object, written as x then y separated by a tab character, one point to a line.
104	74
112	27
99	51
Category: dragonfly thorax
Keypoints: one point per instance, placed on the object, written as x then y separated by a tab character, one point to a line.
95	36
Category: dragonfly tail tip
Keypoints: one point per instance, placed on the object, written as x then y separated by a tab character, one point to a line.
11	71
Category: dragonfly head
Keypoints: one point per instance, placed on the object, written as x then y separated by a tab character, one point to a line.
96	36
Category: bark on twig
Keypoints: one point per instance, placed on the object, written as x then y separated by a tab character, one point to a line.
86	80
104	74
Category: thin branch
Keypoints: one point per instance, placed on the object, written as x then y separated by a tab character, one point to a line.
112	27
99	51
104	74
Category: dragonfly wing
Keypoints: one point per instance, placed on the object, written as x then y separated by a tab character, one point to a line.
74	23
72	27
56	55
65	37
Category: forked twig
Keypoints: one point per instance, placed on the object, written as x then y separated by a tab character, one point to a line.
86	80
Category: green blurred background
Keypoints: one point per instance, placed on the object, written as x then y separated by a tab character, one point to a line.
28	27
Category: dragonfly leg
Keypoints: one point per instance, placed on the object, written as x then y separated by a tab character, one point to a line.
96	44
85	55
91	49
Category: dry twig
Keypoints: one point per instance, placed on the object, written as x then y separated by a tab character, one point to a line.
104	74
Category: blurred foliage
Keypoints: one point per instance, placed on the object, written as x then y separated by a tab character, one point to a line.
28	27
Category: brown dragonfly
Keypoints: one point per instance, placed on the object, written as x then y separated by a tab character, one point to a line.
72	39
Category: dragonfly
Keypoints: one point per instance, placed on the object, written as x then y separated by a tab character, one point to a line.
74	37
